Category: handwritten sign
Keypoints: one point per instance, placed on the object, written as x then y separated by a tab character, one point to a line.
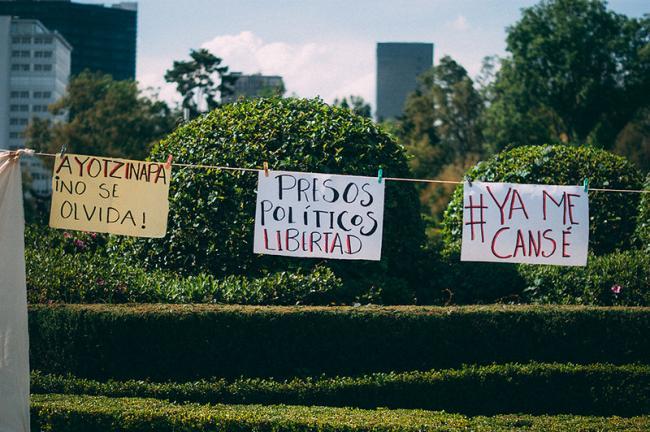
536	224
108	195
319	216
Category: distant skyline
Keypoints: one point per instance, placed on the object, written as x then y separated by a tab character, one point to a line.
322	48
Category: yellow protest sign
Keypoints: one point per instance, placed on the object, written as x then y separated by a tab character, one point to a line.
108	195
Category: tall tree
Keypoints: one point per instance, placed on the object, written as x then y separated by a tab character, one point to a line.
202	81
356	104
577	71
105	117
442	117
441	130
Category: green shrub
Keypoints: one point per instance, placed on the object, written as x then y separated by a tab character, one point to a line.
643	223
612	216
186	342
620	278
601	389
94	413
211	218
74	267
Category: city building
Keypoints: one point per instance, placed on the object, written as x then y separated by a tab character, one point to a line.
103	37
34	72
398	66
251	86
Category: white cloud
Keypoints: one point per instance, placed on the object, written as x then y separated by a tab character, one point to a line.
150	75
328	70
460	23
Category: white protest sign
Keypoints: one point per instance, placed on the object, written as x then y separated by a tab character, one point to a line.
319	216
517	223
108	195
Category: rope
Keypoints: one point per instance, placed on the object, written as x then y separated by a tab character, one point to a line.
398	179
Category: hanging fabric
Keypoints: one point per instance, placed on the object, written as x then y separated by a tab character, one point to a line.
14	344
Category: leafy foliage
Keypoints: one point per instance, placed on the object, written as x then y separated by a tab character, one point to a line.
188	342
75	268
106	118
212	212
533	388
578	72
620	278
96	413
563	165
643	222
357	105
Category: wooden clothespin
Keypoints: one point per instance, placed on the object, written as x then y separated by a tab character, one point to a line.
468	179
168	164
585	183
266	168
64	148
380	175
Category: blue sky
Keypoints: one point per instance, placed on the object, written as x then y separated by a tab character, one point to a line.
322	47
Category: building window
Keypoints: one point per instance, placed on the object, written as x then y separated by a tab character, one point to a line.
38	95
38	41
24	53
14	135
14	108
15	67
47	54
36	108
47	67
25	39
15	40
23	121
15	94
15	53
14	121
24	108
43	67
47	95
24	94
20	67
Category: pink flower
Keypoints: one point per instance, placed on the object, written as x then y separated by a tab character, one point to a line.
67	235
79	244
616	289
93	235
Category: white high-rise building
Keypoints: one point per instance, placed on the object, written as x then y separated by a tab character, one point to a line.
34	72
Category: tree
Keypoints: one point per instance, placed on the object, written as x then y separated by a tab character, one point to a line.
441	130
578	72
201	81
105	117
357	105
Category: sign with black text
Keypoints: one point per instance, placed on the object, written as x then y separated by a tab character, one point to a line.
517	223
319	216
108	195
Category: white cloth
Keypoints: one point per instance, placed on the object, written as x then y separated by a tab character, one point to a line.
14	344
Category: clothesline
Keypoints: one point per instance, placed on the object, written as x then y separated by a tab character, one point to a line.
399	179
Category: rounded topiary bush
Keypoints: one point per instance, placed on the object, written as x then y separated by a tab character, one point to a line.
612	215
211	219
643	223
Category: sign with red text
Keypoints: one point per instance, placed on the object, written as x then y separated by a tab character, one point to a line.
319	216
518	223
107	195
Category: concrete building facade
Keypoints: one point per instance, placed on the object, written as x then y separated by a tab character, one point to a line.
34	72
251	86
398	66
103	37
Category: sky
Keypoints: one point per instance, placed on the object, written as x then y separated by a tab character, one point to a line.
321	48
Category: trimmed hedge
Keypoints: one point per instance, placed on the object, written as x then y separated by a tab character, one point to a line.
601	389
597	283
186	342
96	413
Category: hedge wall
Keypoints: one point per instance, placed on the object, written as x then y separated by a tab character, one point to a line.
601	389
185	342
86	413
